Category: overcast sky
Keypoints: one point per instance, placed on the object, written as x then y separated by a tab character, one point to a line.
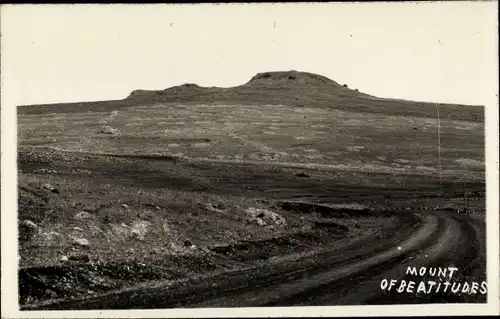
442	52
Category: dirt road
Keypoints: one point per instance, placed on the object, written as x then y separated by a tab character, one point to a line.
338	276
332	274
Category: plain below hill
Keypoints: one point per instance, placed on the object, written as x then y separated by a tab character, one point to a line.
290	88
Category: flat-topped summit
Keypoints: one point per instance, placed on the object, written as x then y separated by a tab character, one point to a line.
292	78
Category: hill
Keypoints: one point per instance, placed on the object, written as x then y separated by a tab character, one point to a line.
290	88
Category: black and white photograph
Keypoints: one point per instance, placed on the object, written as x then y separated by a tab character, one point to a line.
281	159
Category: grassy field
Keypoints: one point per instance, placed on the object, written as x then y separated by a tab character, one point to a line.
351	141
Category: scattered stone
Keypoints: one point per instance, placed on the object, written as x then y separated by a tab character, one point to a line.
206	251
64	258
260	222
120	231
139	229
470	162
51	235
108	130
355	148
188	243
50	188
83	215
265	217
80	242
124	205
402	161
219	206
306	228
174	247
77	229
216	209
302	174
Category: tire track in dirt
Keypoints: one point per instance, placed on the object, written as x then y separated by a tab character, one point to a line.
292	293
321	263
447	251
367	288
466	253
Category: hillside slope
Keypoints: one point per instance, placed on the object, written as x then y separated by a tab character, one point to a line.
290	88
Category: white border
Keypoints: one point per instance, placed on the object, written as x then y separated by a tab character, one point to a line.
9	237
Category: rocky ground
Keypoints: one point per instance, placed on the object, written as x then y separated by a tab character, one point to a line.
84	232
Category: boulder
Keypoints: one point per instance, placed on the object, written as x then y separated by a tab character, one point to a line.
83	215
139	229
83	242
50	236
265	217
108	130
50	188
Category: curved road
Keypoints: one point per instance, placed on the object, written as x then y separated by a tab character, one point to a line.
339	276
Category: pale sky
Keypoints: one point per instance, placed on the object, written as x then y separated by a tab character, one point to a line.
440	52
